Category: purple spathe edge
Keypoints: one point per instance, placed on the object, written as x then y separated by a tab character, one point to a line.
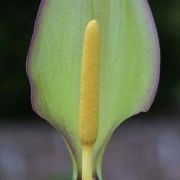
30	51
155	81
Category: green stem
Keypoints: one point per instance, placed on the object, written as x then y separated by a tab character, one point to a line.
87	151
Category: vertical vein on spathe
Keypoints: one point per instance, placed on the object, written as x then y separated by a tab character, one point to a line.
91	5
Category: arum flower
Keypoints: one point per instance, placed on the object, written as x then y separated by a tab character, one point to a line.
91	65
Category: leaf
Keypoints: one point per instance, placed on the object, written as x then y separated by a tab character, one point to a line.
129	69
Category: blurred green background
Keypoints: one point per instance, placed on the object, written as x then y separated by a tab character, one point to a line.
16	27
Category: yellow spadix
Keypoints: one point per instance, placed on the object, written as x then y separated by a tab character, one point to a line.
89	96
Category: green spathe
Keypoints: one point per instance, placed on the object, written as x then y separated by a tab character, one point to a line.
129	69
